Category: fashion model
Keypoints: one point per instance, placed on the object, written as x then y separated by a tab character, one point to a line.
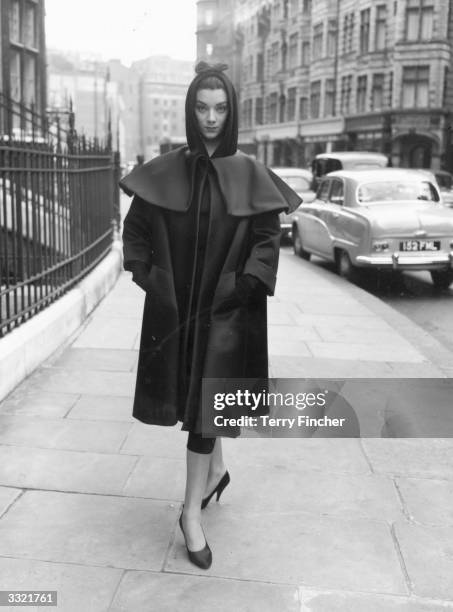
202	239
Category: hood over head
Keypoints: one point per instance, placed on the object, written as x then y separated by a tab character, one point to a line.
229	137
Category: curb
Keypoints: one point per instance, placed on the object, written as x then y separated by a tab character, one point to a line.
28	346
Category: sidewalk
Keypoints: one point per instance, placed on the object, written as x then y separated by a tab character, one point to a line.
90	498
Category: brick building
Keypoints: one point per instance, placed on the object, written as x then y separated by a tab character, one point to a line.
345	74
22	55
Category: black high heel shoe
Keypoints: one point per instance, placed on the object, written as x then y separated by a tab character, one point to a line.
219	488
202	558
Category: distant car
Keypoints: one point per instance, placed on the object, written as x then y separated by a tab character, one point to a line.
445	181
387	219
324	163
299	180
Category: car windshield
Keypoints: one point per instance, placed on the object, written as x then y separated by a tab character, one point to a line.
444	181
298	183
394	191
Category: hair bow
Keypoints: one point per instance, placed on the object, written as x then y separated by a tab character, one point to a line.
205	67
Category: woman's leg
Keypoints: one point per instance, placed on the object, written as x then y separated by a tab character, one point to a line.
198	459
216	468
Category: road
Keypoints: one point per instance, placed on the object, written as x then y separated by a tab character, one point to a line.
415	297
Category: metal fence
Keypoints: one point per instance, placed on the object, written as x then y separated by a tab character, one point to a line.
59	205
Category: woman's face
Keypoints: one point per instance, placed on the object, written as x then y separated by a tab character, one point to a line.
211	111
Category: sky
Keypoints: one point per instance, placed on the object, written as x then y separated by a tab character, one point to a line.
124	29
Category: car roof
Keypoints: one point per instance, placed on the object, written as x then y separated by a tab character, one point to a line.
377	174
350	155
291	170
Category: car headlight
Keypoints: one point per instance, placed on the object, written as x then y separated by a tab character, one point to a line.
379	246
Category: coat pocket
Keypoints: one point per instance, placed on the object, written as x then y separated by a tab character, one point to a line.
225	297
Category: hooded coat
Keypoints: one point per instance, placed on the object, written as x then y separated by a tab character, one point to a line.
199	225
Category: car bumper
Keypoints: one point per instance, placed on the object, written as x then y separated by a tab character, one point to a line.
403	261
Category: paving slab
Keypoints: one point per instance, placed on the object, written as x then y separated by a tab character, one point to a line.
7	496
277	489
427	501
157	441
82	382
166	593
399	350
333	367
282	333
337	456
428	557
96	530
29	401
125	303
64	434
95	359
78	587
37	468
323	552
289	347
109	332
102	408
313	601
423	458
150	478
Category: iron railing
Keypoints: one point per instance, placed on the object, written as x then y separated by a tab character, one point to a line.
59	205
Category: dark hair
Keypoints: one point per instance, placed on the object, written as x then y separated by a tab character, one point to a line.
211	80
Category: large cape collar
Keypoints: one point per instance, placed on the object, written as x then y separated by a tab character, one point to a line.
247	186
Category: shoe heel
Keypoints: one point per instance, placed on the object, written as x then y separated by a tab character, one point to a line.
225	482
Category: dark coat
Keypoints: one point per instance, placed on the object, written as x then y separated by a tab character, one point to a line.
194	325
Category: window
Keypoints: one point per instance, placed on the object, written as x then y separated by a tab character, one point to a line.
307	6
315	99
346	86
260	67
284	51
209	49
303	108
294	8
381	27
259	111
273	108
361	94
274	57
14	69
390	101
292	104
377	92
332	37
348	32
365	31
415	86
209	17
293	41
30	92
317	40
329	98
305	60
336	195
323	191
14	21
419	19
30	25
282	113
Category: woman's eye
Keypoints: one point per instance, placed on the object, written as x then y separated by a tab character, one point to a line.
200	109
222	109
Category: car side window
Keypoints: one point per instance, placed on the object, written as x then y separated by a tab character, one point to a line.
337	192
323	191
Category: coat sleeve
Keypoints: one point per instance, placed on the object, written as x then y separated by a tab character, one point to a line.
262	263
137	236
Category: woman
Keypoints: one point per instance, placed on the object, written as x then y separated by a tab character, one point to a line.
202	239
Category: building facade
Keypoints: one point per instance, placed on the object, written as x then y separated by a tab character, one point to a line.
22	57
345	74
161	92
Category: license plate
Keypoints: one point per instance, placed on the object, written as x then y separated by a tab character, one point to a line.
420	245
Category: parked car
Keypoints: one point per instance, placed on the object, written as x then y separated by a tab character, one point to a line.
445	182
386	219
345	160
299	180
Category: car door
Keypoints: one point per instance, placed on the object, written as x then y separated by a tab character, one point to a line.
332	217
311	229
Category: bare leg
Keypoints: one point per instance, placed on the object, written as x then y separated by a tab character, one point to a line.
216	468
197	473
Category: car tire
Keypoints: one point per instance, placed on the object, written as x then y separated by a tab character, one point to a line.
345	267
298	246
442	279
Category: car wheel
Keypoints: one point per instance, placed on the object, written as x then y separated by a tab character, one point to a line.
442	279
297	245
345	268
